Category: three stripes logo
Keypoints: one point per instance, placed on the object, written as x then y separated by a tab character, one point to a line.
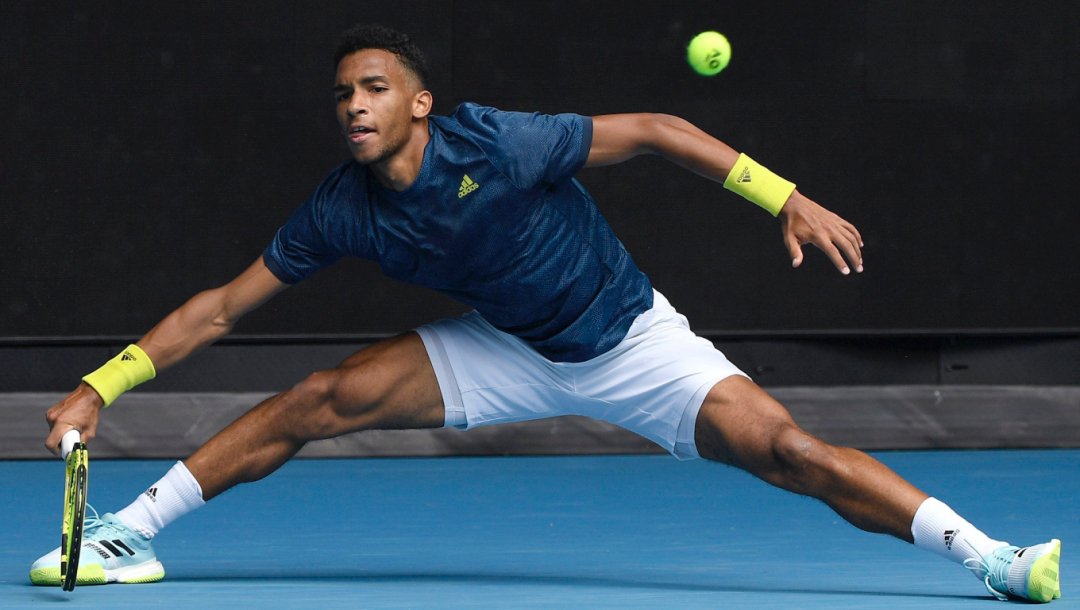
744	176
115	551
950	535
127	357
152	494
467	186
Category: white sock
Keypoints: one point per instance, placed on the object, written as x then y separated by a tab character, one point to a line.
938	529
172	497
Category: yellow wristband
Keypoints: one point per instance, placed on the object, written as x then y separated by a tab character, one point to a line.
759	185
127	370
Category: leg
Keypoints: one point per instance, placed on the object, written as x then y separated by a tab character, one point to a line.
739	424
389	385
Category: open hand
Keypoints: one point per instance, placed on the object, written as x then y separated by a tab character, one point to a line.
77	411
805	222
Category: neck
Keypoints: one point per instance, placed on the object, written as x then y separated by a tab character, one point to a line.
398	171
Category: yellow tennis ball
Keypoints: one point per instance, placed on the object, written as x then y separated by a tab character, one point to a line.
708	53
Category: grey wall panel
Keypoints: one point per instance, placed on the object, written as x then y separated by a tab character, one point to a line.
174	425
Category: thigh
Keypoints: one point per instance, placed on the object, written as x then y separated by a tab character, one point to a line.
388	385
738	424
493	377
654	382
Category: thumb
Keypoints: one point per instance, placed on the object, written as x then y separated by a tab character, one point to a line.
53	442
794	249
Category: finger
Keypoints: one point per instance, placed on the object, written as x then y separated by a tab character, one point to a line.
794	249
858	235
834	254
52	443
850	227
850	246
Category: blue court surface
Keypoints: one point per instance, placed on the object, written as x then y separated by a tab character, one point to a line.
543	532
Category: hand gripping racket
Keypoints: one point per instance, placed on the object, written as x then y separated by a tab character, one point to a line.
74	453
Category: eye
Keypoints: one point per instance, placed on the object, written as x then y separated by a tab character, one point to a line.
378	89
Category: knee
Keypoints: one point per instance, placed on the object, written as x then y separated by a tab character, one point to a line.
796	452
345	392
318	390
321	405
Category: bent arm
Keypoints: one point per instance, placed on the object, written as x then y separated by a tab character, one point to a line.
620	137
208	316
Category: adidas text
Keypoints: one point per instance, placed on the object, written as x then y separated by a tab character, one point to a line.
744	176
467	186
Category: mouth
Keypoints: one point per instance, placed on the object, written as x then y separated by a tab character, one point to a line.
359	133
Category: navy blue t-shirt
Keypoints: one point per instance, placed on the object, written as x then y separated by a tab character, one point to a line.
496	220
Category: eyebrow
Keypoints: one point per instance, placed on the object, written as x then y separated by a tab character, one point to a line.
364	81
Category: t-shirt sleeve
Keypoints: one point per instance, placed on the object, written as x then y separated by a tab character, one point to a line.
306	243
531	148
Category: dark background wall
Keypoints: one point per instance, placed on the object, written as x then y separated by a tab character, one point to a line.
152	149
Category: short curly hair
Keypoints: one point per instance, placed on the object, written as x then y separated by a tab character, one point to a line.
373	36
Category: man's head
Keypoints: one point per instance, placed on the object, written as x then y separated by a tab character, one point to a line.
361	37
380	90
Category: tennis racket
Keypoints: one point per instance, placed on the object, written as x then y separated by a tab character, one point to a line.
74	453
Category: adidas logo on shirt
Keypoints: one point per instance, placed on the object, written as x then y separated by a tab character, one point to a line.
151	493
744	176
467	186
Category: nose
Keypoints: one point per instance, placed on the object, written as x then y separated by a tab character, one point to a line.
357	106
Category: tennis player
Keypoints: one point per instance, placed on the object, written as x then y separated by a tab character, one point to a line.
482	205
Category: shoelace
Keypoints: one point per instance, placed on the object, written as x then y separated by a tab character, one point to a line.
997	569
91	522
94	521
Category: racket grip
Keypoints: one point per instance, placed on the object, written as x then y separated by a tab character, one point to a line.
67	443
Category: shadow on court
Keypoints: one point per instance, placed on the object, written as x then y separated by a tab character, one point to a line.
563	581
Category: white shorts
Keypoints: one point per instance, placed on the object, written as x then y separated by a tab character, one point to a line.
652	383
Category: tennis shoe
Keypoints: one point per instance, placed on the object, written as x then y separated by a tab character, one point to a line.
1029	573
111	552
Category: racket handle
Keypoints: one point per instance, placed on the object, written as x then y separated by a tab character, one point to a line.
67	443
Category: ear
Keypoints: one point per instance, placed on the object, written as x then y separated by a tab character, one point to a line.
421	104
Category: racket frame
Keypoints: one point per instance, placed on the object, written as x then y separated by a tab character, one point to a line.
75	482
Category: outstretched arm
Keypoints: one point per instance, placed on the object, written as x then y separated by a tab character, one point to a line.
205	318
618	137
209	316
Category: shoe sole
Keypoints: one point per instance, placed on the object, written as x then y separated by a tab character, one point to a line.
94	574
1044	583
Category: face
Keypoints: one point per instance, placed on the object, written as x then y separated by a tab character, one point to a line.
377	100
